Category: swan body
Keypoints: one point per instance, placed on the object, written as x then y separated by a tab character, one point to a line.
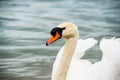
69	65
79	52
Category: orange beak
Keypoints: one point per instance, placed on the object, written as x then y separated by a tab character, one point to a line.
53	38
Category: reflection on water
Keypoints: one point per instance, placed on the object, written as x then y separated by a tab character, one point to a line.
25	28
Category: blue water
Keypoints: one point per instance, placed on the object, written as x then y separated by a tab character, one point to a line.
25	27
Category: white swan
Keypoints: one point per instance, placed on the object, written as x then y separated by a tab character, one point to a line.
69	66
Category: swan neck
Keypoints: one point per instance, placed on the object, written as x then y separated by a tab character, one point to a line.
66	58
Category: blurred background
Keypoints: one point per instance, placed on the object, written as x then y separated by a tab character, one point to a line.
25	27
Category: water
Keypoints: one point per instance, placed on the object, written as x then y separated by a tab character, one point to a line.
25	27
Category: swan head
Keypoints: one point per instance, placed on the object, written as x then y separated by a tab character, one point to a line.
66	30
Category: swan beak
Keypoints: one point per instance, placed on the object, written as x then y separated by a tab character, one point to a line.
53	38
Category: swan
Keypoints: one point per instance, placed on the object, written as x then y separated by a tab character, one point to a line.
69	65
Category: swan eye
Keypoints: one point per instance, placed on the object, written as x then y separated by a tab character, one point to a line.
63	28
56	29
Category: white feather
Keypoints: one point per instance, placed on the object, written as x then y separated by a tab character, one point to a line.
106	69
82	46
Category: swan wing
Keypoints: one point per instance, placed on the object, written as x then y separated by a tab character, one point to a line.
111	48
109	67
83	45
